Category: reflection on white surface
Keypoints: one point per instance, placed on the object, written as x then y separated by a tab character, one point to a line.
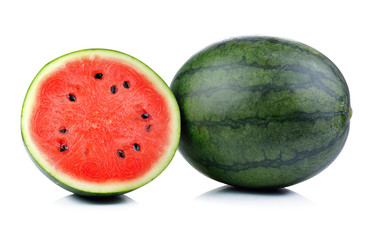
74	199
229	195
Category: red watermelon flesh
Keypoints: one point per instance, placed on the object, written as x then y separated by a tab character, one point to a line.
100	122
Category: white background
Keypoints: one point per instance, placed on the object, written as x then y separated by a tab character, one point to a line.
182	203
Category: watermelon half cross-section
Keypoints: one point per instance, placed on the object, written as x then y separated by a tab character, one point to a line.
99	122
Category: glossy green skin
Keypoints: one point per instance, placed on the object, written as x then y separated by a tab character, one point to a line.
261	112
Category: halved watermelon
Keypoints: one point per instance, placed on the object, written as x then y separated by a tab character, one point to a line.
99	122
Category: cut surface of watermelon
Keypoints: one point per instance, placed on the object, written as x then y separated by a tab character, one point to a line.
100	122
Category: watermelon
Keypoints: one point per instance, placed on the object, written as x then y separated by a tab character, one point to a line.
99	122
261	112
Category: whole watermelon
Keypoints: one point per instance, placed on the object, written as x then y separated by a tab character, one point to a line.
261	112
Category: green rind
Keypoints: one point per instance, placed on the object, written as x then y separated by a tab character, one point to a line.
261	112
161	85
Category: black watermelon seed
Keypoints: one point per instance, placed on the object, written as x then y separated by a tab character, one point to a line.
63	148
136	147
63	130
120	153
145	115
148	128
113	89
71	97
126	85
98	75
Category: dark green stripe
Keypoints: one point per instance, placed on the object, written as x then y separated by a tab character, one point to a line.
293	117
315	76
304	48
264	89
293	45
320	167
277	163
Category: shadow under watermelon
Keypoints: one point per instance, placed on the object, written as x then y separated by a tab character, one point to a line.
76	199
249	197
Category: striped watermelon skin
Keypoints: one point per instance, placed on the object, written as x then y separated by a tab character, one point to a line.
261	112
